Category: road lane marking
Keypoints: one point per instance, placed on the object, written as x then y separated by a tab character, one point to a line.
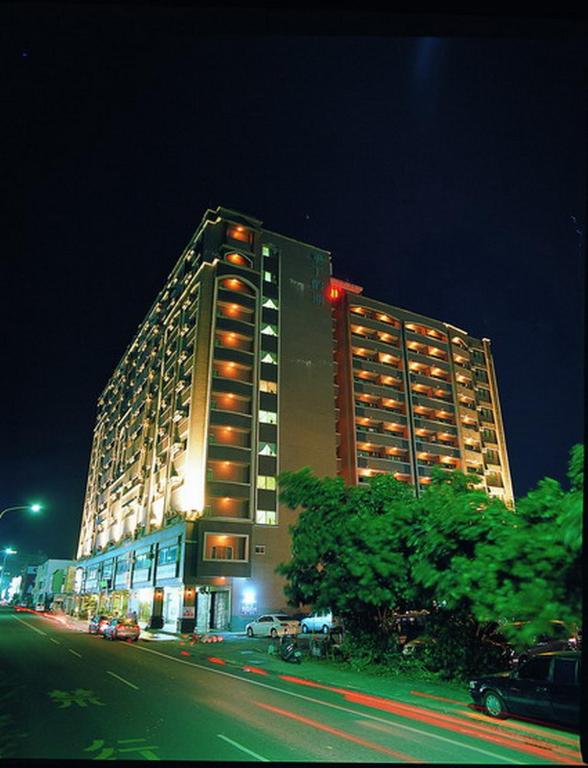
126	682
71	650
53	640
39	631
243	749
341	734
412	729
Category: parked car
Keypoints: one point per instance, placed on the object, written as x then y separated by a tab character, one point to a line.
320	621
559	637
122	629
545	687
97	624
40	607
272	625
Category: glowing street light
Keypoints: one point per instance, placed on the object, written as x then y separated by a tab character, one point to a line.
35	508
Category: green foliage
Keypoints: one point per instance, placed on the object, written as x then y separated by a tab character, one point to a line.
349	547
365	552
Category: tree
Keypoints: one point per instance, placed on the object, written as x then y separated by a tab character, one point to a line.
453	521
533	568
349	547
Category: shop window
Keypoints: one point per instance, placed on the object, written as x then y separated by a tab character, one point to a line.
167	555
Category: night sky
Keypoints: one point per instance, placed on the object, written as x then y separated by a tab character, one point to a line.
441	171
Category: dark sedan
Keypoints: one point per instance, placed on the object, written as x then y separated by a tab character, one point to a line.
544	688
97	624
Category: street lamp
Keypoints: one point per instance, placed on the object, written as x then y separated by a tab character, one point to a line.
31	507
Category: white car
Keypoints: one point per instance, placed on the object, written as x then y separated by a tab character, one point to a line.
318	622
272	625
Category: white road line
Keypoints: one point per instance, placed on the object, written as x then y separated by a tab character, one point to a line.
126	682
427	734
74	652
53	640
40	631
243	749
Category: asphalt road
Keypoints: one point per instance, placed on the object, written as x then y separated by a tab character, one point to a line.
67	694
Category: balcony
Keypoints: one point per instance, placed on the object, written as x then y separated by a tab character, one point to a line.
235	420
437	448
218	451
388	464
423	422
381	439
232	370
379	414
227	472
234	322
227	490
425	338
223	401
225	437
229	340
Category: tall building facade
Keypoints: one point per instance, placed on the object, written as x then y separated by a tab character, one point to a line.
413	393
254	360
228	381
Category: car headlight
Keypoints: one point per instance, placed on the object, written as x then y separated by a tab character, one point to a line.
473	684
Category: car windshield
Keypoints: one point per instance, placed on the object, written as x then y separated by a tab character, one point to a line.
127	622
282	617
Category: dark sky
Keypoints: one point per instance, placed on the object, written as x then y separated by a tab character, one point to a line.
442	171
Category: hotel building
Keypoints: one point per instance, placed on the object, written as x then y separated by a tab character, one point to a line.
413	393
253	360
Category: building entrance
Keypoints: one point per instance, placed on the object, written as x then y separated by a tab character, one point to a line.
219	610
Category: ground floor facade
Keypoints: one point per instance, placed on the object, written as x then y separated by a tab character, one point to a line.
162	580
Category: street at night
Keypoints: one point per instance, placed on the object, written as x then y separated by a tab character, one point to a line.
292	466
67	694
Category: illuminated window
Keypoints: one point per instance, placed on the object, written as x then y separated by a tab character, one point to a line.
266	483
268	386
270	304
269	277
238	258
265	251
239	233
268	417
270	330
265	517
267	449
270	357
232	284
218	546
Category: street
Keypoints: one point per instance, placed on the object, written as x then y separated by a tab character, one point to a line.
70	695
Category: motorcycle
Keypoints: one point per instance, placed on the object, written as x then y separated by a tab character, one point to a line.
289	651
